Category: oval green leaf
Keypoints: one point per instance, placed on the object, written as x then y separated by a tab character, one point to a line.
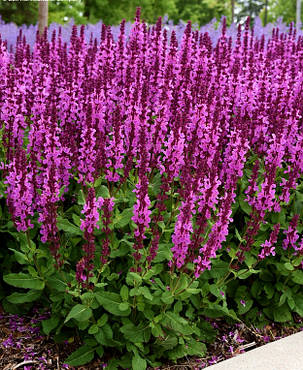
19	298
25	281
81	356
79	313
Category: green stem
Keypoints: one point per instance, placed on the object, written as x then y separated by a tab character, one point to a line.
188	286
176	285
36	264
34	256
242	273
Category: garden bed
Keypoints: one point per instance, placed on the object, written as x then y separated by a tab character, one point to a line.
22	346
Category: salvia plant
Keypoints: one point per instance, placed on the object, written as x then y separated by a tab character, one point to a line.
149	184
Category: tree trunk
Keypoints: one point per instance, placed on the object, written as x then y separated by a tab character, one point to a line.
87	6
250	10
265	15
298	18
43	16
232	11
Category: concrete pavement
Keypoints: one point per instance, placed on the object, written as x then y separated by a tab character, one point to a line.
283	354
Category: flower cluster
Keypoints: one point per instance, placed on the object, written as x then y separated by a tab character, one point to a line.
88	225
146	106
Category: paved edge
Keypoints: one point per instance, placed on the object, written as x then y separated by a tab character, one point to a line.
283	354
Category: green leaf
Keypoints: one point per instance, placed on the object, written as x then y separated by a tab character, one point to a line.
291	303
102	191
208	333
193	290
177	323
93	329
18	298
178	307
98	182
250	260
179	351
55	282
244	273
87	298
56	297
68	227
265	275
245	207
61	192
123	218
79	313
282	299
133	278
256	288
157	331
25	281
264	226
81	356
164	252
297	261
146	292
215	291
110	302
90	342
24	245
20	257
168	343
113	276
167	297
269	290
298	304
50	324
243	308
138	363
125	361
124	293
105	337
32	271
13	308
278	218
218	311
113	364
100	351
103	320
297	277
282	314
124	306
122	250
154	271
288	266
83	325
219	269
154	187
81	198
149	313
239	237
196	348
76	219
136	333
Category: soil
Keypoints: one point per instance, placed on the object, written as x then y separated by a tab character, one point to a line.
23	347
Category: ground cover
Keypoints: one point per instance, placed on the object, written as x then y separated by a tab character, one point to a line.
22	345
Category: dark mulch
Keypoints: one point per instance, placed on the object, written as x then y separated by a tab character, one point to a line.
23	347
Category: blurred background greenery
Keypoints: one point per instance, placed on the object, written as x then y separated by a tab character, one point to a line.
113	11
